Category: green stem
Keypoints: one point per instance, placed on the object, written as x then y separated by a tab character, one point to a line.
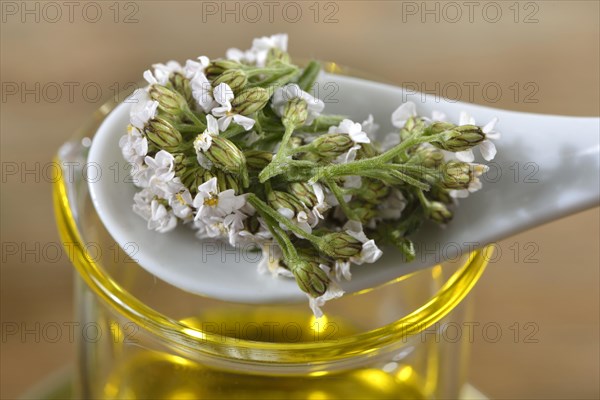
301	149
272	169
422	199
337	192
232	131
354	167
194	118
280	236
187	128
262	207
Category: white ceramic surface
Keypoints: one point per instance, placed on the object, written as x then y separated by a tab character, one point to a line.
547	167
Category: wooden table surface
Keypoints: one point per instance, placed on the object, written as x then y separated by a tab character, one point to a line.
536	56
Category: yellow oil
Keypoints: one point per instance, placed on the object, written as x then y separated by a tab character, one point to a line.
145	374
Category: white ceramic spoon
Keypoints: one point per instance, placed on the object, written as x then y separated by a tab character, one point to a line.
547	167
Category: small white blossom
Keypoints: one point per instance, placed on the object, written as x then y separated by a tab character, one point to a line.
162	166
193	67
409	109
203	141
321	206
356	133
370	252
403	113
162	72
474	185
240	236
333	292
257	55
223	94
134	146
181	203
393	205
211	203
292	91
271	260
202	92
370	127
211	227
487	147
305	221
342	269
159	218
143	108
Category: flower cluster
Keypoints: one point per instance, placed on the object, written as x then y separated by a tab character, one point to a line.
238	150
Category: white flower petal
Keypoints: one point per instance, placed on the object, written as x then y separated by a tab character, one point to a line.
403	113
223	94
488	150
149	77
465	119
370	252
459	194
465	156
245	122
224	122
333	292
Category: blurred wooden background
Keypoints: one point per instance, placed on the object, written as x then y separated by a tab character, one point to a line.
543	55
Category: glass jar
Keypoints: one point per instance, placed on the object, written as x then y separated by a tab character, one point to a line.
143	338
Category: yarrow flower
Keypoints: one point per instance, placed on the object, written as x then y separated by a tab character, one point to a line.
210	202
487	147
356	133
257	55
292	91
317	194
224	95
134	146
143	108
154	212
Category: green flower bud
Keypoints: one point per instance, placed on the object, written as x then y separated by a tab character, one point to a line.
438	212
373	190
304	192
208	175
428	157
456	175
182	84
258	159
160	132
340	245
459	138
439	127
440	194
331	145
279	200
364	212
217	67
276	55
235	78
227	181
295	113
226	156
169	101
367	150
414	125
191	177
310	277
250	100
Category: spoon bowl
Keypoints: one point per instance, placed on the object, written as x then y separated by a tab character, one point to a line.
547	167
